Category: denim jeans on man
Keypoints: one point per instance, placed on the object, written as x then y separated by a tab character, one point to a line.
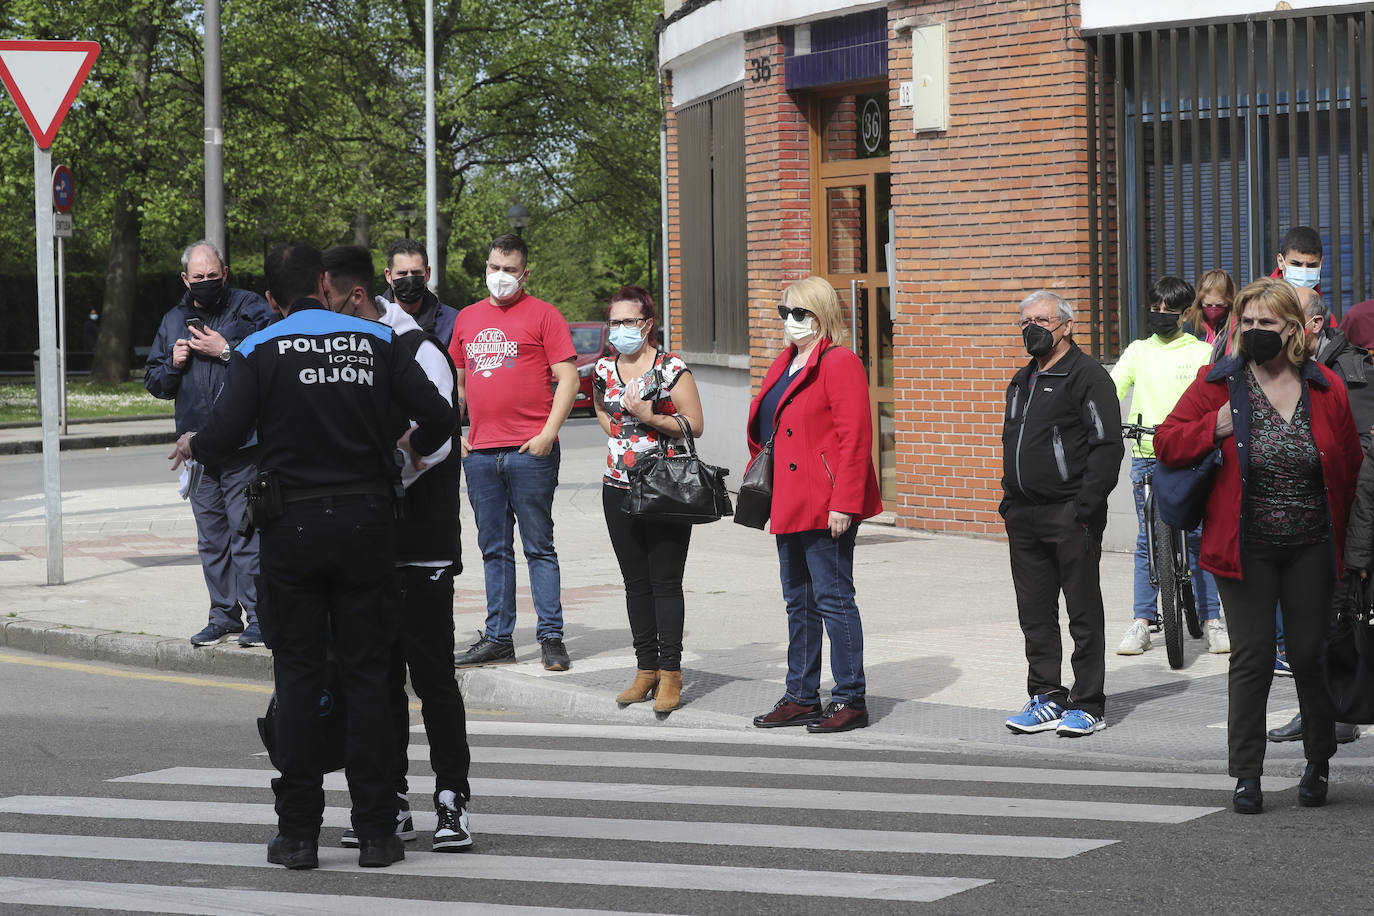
506	487
818	587
1147	595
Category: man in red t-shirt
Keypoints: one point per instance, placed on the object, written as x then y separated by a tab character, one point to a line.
504	348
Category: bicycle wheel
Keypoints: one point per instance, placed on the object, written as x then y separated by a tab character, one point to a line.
1186	587
1170	601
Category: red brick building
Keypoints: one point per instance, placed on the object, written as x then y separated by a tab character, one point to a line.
937	160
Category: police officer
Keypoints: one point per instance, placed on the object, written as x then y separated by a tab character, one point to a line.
322	389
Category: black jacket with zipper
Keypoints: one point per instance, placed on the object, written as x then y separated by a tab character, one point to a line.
1061	437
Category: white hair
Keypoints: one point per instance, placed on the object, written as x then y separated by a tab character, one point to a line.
203	243
1044	295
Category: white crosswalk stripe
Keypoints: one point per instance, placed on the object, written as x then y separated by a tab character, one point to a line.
621	811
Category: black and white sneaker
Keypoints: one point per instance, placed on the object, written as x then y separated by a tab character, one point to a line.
452	833
405	824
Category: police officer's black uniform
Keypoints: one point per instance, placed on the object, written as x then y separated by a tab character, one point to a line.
322	389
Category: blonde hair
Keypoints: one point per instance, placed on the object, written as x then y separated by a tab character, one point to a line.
1215	280
817	296
1282	300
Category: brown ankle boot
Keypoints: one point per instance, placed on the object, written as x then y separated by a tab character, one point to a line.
669	693
641	689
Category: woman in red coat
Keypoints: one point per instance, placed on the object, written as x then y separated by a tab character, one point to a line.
814	405
1275	518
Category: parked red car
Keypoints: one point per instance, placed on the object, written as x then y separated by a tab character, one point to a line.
591	341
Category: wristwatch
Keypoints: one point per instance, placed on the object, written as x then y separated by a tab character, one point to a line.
224	357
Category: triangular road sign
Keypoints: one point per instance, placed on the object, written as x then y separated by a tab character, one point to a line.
43	78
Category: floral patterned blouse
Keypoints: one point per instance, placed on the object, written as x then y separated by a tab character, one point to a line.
1287	502
631	437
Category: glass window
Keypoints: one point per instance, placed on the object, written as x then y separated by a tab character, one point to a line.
846	221
587	340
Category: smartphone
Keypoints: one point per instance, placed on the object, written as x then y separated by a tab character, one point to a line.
196	323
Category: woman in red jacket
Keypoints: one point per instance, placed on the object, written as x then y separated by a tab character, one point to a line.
814	405
1275	518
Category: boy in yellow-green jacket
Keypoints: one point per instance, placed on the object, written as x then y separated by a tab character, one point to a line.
1159	369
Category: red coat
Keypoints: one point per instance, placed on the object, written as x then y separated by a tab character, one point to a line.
823	448
1187	435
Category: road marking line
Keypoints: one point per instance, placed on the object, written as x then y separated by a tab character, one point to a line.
152	898
477	866
773	836
5	656
731	796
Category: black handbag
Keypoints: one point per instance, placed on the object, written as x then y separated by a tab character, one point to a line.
1348	655
754	503
1181	493
333	724
678	488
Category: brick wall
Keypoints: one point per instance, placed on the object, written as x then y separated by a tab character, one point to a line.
778	188
987	211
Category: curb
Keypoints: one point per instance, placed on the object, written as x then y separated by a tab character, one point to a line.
73	442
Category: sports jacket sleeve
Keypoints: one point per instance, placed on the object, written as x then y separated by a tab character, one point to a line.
159	377
1100	414
433	416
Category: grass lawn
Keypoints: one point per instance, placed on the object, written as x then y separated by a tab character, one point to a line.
18	402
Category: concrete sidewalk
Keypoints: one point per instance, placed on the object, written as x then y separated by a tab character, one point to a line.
943	654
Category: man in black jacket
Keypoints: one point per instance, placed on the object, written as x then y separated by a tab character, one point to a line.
407	277
324	391
189	362
1062	451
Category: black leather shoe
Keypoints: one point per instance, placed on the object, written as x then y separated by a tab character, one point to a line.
294	854
1290	732
380	853
1346	732
1248	798
1312	786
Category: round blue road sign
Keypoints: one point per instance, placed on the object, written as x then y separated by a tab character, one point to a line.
63	189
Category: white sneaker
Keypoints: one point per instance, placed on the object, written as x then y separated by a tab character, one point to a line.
1218	640
1137	638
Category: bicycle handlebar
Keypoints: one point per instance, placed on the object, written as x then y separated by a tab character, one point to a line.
1136	430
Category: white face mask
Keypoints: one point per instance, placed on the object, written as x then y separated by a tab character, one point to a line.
1302	276
502	285
798	332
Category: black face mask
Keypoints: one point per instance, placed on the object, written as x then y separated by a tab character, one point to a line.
1261	345
207	292
409	289
1039	341
1163	323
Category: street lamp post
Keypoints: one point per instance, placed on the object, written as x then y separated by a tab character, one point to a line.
519	217
406	213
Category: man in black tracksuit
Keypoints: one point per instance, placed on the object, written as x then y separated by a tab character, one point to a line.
428	556
1062	451
324	390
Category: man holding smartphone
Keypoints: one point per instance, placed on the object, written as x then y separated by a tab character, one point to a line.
188	363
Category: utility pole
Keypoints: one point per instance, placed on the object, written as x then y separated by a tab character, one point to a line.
214	133
431	176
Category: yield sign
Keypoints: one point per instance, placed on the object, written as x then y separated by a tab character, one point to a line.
43	78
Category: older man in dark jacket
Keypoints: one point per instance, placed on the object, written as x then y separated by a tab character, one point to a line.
1062	450
188	363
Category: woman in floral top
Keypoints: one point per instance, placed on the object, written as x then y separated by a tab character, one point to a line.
636	395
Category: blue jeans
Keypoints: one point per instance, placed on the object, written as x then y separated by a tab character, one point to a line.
818	588
1146	595
506	486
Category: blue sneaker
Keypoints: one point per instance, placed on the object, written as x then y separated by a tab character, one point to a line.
213	634
251	636
1077	723
1039	714
1281	668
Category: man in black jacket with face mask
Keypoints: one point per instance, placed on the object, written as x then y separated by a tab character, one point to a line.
188	363
407	273
1062	451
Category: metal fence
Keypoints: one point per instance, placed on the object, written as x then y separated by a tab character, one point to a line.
1209	140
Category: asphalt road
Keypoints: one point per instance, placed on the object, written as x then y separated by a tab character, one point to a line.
122	786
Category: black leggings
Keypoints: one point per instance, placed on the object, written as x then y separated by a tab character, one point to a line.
1300	579
652	556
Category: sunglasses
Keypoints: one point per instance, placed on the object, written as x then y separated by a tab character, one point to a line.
795	314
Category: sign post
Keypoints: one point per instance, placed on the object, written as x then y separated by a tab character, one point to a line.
63	189
43	78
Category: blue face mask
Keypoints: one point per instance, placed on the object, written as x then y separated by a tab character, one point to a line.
1302	276
627	340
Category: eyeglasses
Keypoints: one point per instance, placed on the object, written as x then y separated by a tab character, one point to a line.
795	314
626	323
1043	322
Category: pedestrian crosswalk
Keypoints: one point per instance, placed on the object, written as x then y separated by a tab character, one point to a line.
708	813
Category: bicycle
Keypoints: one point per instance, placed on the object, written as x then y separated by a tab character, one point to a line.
1167	551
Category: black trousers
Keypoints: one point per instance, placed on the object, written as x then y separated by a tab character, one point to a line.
327	566
426	646
1053	552
1300	579
652	556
